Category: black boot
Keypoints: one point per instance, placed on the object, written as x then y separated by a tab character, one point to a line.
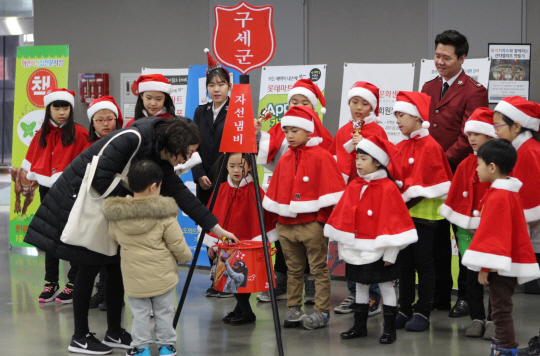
389	332
359	328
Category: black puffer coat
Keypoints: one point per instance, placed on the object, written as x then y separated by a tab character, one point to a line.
46	228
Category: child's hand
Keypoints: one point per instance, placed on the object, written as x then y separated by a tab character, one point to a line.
483	278
211	253
356	138
471	231
258	125
386	264
221	233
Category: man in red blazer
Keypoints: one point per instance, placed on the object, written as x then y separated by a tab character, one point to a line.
454	96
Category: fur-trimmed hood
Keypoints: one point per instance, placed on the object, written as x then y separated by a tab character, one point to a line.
138	215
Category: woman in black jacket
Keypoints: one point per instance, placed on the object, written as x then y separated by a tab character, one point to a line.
166	142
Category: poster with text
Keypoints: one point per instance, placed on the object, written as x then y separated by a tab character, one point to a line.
276	82
476	68
509	74
36	69
179	80
390	79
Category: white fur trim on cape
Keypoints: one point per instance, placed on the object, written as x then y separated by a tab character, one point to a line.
297	121
187	165
515	114
345	178
274	207
59	95
313	141
461	220
532	214
521	139
435	191
315	205
510	184
349	146
155	86
264	148
26	165
364	94
44	180
305	92
420	133
374	151
243	182
407	108
102	105
504	266
479	127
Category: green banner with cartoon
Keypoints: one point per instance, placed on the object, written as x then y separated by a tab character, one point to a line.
37	69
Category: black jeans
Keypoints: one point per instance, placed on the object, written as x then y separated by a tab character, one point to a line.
475	297
417	257
114	297
242	305
52	272
442	256
279	262
463	289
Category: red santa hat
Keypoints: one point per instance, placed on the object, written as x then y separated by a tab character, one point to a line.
54	94
379	148
212	63
153	82
302	117
481	121
311	91
105	102
366	91
520	110
414	104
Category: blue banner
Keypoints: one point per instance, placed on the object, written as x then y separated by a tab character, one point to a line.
196	94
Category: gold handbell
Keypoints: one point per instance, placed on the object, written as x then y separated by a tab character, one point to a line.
358	125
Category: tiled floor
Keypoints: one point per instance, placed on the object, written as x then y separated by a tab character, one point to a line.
30	328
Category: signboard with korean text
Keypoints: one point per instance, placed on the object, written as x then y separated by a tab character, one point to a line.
476	68
179	80
37	68
239	129
244	36
509	74
390	79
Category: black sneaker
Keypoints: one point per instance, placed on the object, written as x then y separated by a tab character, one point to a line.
225	295
97	298
50	291
120	340
67	295
88	345
211	292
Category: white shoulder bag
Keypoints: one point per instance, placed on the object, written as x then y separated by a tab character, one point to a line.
86	225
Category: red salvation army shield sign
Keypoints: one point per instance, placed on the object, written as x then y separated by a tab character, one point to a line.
244	36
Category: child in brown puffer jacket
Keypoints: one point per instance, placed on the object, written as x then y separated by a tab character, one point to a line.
151	245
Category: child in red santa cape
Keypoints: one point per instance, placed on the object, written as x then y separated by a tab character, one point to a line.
236	208
303	190
272	145
518	121
462	208
426	180
501	249
363	101
372	224
52	149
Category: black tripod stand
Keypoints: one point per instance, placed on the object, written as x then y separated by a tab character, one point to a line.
244	79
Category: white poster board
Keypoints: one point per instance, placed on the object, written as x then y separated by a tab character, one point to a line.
476	68
178	79
510	71
390	79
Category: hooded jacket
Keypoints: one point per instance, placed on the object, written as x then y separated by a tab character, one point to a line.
151	243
